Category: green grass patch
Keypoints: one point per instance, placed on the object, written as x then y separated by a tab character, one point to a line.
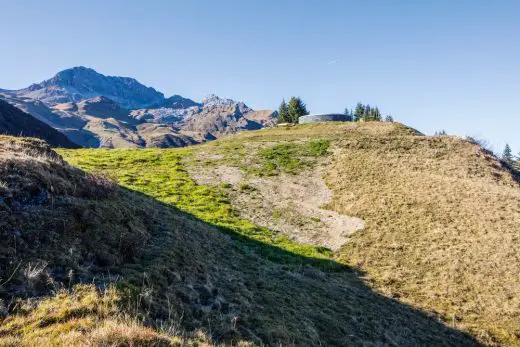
318	148
289	158
160	173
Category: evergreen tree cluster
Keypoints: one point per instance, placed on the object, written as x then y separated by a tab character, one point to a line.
507	156
290	112
511	160
367	113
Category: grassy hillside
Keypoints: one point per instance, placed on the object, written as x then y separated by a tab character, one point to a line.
442	228
442	219
160	276
172	259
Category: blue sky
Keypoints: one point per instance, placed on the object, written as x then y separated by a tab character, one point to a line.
452	65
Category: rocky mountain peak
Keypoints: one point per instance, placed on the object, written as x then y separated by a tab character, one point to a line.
80	83
214	100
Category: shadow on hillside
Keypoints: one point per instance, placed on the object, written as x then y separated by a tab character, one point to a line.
239	288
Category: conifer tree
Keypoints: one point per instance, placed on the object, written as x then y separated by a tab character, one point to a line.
359	112
507	156
296	109
350	114
376	115
367	113
283	113
389	118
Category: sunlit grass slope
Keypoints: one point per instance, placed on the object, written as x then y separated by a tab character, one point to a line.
442	215
442	219
159	276
442	228
161	173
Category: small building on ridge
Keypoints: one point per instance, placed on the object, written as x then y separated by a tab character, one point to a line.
328	117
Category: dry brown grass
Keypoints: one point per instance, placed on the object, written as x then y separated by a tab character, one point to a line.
442	228
442	219
424	245
85	318
242	282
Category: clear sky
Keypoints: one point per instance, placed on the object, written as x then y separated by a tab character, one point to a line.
452	65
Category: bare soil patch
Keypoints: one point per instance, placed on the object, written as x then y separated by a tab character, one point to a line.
291	204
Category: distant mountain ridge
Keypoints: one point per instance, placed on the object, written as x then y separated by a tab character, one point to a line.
81	83
94	110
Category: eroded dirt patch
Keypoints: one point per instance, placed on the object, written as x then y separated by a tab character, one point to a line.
287	203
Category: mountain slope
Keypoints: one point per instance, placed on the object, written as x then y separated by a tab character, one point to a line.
213	118
176	102
80	83
16	122
98	107
218	117
101	122
176	256
52	117
94	110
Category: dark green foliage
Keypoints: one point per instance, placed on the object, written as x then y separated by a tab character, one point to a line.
359	112
283	113
297	109
367	113
507	156
441	133
289	113
389	118
372	114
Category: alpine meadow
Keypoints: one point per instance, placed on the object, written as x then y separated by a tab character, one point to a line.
366	192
